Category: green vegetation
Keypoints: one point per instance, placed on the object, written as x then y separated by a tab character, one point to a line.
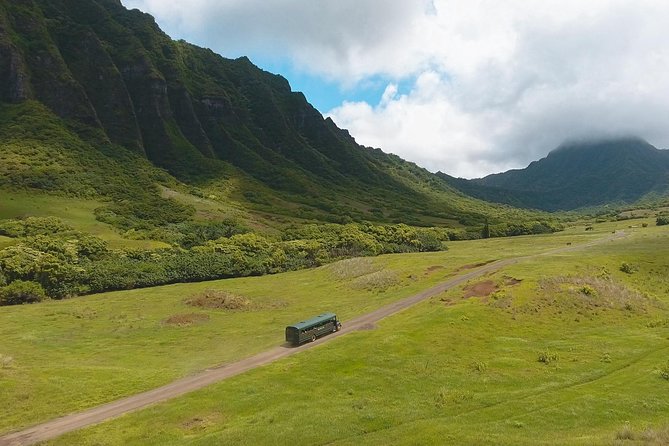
128	160
19	292
112	330
66	263
121	108
425	356
193	168
628	268
580	175
467	367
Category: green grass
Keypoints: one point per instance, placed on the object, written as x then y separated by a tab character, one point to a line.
417	379
76	212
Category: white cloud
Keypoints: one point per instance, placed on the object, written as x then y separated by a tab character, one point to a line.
515	79
341	39
494	84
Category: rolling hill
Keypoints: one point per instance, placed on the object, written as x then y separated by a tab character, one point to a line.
578	175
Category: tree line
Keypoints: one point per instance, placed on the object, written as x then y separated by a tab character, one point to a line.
51	260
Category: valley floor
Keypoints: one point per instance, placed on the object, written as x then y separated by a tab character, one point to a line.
559	349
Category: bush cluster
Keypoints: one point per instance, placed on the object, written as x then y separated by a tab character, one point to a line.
32	226
65	263
20	292
59	262
526	228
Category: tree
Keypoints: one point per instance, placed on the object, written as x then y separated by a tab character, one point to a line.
21	292
485	232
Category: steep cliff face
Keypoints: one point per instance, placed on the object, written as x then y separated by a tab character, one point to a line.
115	79
14	81
49	77
99	65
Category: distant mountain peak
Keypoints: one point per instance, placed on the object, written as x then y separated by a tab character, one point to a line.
580	173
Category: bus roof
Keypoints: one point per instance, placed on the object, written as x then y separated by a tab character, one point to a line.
313	321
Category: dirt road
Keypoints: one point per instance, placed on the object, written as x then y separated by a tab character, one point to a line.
60	426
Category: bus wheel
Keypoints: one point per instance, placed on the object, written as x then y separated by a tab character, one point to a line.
313	338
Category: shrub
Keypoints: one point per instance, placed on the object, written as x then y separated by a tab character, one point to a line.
32	226
480	366
628	268
198	233
588	291
662	220
144	212
547	357
21	292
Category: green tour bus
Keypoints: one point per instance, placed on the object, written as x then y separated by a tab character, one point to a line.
313	328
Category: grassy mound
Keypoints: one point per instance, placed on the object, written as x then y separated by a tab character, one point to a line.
218	300
348	269
592	293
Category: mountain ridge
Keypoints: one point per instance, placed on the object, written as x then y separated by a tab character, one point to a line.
578	174
116	80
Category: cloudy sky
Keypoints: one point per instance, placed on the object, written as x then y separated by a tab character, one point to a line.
468	87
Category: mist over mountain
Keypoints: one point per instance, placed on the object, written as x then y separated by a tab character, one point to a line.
135	104
578	174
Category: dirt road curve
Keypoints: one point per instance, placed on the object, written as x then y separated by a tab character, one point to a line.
60	426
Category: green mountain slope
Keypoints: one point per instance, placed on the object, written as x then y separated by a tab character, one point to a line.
577	175
128	94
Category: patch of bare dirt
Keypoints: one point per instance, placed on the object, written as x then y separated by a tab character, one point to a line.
185	320
202	422
434	268
475	265
480	289
218	300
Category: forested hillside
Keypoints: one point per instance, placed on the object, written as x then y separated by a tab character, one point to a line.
117	81
577	175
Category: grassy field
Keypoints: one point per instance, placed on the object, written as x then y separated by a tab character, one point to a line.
462	369
76	212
